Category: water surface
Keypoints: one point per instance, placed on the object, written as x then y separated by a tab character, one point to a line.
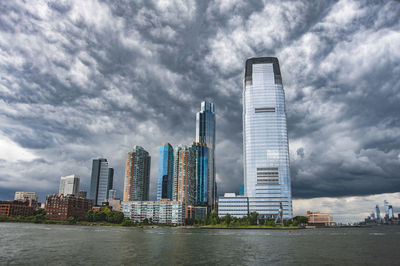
38	244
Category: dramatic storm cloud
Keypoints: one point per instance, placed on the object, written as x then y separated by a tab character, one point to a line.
87	79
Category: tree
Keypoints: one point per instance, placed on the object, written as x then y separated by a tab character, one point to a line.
105	209
72	220
253	217
40	211
118	217
227	219
300	220
110	217
127	222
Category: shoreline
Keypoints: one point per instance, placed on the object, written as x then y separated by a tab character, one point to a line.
155	226
51	222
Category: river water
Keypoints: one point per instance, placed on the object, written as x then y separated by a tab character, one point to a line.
39	244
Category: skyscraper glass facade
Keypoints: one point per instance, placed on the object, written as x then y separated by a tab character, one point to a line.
265	140
137	175
205	133
165	172
101	181
201	171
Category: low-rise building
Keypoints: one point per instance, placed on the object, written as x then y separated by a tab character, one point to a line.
16	208
60	207
157	212
237	206
320	219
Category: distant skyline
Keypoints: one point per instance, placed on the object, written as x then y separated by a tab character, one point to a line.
90	79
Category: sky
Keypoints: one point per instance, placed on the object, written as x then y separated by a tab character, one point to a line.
90	79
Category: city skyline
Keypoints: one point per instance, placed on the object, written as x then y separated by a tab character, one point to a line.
88	88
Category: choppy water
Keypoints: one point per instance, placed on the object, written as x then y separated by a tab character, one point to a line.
36	244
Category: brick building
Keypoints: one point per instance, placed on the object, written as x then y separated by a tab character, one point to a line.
60	207
320	219
16	208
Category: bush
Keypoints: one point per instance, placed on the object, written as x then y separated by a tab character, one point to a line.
72	220
127	222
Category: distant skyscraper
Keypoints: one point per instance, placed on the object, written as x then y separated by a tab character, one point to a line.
101	181
184	186
378	212
391	214
386	204
201	172
205	133
69	185
137	175
265	139
165	172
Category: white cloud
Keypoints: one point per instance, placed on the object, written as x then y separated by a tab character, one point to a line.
346	209
12	152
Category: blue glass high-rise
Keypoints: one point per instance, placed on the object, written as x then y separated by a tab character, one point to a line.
202	176
205	133
265	139
165	172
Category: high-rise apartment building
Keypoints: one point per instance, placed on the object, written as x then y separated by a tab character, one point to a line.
165	172
101	181
201	172
205	133
69	185
184	186
265	139
137	175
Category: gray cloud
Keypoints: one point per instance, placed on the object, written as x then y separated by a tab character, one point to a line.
88	79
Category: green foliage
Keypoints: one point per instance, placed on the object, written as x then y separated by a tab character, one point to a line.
72	220
90	216
40	211
227	219
127	222
39	218
300	220
105	209
253	217
104	215
99	216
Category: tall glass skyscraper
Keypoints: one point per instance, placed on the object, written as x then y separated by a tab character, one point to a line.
265	139
201	172
137	175
205	133
101	181
165	172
